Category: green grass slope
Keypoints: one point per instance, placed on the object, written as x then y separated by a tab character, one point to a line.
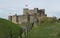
6	27
47	30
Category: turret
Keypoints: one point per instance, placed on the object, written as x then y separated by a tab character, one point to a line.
10	18
25	11
15	18
35	10
42	11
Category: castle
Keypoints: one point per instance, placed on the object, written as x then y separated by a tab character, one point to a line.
32	15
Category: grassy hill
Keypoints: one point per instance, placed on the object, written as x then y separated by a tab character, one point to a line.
45	30
8	28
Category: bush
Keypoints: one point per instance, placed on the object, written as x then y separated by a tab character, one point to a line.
45	19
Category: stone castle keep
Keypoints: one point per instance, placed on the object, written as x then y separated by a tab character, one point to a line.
32	15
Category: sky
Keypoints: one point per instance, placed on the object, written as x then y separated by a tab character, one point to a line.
11	7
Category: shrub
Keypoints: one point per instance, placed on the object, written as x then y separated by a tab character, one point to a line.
45	19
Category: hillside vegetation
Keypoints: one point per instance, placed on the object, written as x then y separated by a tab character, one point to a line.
9	29
49	28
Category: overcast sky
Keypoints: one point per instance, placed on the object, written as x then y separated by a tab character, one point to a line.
52	7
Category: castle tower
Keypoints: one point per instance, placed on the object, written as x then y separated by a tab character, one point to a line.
25	11
42	11
35	10
10	18
15	18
